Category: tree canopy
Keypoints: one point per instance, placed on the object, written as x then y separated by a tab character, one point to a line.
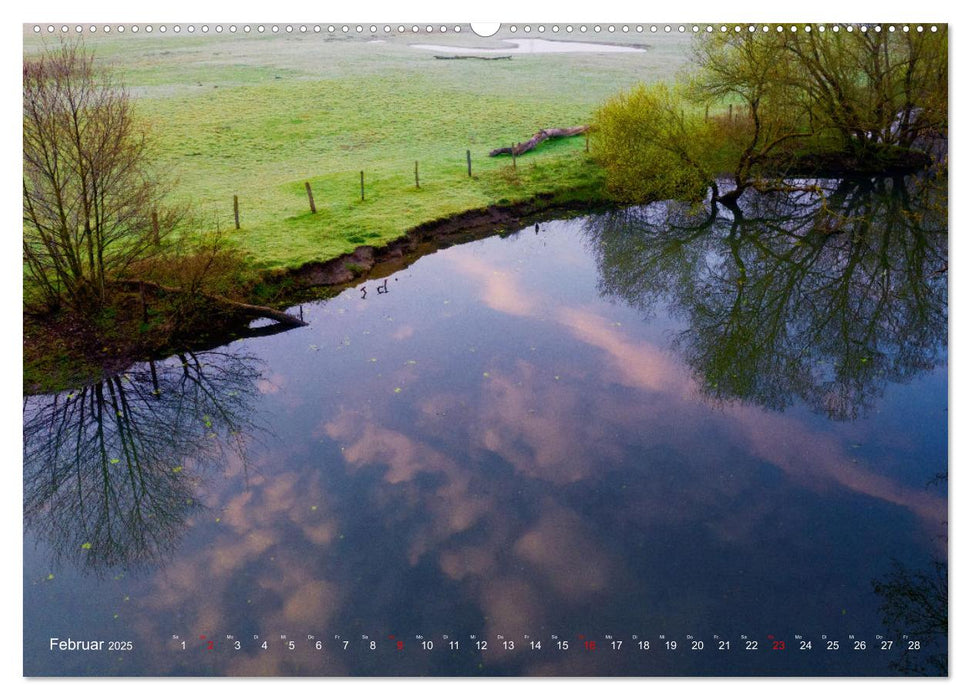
757	101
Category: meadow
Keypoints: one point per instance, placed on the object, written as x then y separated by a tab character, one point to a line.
257	116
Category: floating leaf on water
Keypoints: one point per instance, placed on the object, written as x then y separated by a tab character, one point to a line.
86	545
50	577
314	348
115	460
313	507
177	469
374	359
397	390
485	374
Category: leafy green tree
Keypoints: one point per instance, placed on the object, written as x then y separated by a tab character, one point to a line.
860	93
754	69
650	147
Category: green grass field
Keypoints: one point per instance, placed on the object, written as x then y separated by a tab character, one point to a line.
257	116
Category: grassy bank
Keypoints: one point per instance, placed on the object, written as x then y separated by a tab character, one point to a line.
257	116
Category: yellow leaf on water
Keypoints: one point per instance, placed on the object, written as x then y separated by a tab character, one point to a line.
86	545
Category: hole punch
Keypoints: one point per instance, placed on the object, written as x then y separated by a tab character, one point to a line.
485	29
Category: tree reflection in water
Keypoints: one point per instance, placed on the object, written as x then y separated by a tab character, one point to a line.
823	296
915	605
110	470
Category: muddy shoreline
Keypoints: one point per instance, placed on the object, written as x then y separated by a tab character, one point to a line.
326	278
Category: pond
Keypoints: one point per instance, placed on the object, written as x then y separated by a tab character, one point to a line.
520	46
656	441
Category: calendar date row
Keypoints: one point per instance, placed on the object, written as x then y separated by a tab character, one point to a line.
552	642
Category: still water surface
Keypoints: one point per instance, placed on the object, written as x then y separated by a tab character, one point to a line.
642	423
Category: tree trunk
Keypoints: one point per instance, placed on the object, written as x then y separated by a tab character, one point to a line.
540	136
252	310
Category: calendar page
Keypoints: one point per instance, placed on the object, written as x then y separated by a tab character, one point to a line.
555	349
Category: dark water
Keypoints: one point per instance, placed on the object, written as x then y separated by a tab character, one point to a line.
572	445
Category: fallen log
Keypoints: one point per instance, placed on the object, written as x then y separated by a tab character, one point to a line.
538	138
252	310
481	58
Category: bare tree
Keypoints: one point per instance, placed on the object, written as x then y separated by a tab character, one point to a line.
92	206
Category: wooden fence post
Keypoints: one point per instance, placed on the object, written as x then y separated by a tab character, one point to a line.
468	158
417	186
236	210
730	105
362	185
310	196
513	151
